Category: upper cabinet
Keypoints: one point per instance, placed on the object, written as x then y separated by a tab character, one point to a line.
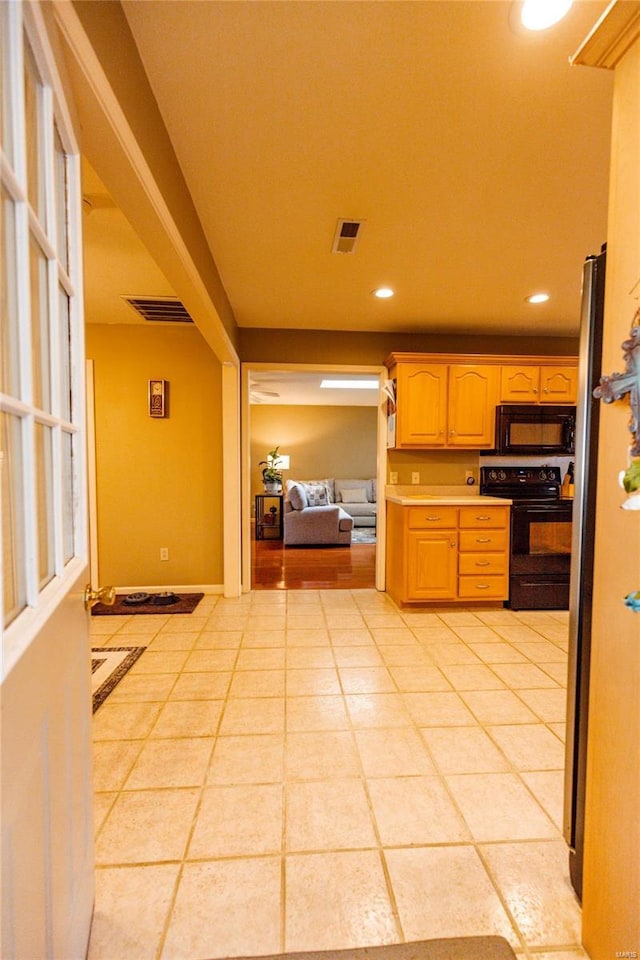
449	401
549	383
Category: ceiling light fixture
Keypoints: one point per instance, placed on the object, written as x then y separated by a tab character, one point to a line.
350	384
537	298
383	293
540	14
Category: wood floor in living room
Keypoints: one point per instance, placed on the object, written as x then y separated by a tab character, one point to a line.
276	567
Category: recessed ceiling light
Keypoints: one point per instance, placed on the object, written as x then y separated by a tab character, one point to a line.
383	293
537	298
540	14
350	384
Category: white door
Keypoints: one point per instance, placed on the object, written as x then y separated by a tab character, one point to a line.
46	797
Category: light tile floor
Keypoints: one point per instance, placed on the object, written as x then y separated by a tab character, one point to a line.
314	770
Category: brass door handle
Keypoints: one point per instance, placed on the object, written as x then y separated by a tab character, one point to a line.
105	595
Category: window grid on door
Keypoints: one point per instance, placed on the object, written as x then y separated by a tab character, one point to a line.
41	404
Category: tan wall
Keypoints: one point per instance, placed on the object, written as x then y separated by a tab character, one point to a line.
435	467
611	897
159	481
321	441
315	346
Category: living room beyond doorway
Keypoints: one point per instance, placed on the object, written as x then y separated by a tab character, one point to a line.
322	432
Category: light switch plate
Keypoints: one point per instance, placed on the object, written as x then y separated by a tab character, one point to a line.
393	476
415	477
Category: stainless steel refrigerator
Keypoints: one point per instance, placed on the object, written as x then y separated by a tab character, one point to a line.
582	552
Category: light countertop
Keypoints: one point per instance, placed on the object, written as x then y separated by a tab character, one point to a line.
453	496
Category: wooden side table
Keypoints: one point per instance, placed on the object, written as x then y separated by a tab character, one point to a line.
268	512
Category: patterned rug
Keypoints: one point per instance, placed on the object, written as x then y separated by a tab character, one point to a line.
185	603
108	667
363	535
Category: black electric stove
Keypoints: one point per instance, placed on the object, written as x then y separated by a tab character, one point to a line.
540	560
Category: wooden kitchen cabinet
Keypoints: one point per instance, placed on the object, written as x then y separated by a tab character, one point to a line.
448	401
483	559
446	405
422	412
443	552
520	383
472	398
432	568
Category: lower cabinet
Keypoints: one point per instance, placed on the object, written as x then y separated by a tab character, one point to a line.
452	553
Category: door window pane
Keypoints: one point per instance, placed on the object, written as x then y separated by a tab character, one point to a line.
68	491
33	132
14	587
61	194
44	502
64	320
10	368
40	328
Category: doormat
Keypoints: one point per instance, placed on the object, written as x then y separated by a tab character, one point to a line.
108	667
157	603
455	948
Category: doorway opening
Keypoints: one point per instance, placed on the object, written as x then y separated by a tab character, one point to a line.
323	433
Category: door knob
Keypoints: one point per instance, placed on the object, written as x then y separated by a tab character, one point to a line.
105	595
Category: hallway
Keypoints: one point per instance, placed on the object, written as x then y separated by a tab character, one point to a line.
317	769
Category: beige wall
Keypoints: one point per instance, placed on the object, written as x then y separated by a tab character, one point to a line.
316	346
321	441
159	482
435	467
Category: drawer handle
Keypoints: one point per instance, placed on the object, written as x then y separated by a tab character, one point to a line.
483	539
482	586
483	563
434	518
483	518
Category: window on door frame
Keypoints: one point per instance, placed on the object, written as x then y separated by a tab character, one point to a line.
42	407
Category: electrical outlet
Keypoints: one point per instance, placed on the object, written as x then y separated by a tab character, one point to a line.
415	477
393	476
164	553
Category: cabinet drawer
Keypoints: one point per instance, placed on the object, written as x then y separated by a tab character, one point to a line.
483	588
482	563
483	540
481	516
427	518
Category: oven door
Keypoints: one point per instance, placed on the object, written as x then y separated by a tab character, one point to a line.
540	562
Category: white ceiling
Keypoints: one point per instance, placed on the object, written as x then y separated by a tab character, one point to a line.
302	387
476	154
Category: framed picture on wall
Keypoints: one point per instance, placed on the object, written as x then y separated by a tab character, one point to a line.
158	396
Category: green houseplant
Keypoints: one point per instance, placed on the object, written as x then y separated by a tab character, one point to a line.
271	476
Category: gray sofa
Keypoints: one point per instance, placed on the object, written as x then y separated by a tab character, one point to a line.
325	511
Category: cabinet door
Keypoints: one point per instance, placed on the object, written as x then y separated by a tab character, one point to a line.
558	384
519	384
432	565
422	405
473	391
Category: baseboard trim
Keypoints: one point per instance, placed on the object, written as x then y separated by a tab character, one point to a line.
206	588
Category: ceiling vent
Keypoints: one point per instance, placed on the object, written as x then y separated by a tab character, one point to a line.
346	236
159	309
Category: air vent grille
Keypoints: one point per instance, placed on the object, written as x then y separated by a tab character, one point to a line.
346	236
160	309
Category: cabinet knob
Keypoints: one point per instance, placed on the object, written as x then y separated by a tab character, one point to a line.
546	390
535	389
452	433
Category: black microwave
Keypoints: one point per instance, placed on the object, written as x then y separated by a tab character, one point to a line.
524	429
